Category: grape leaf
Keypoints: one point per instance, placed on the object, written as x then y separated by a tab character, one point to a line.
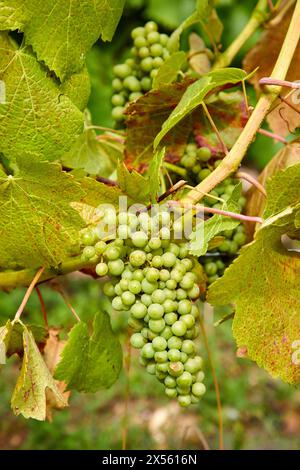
229	115
29	396
5	332
263	285
97	155
133	184
283	119
195	95
90	363
283	190
206	231
154	174
78	88
287	156
168	71
198	55
62	32
204	14
37	118
37	224
145	117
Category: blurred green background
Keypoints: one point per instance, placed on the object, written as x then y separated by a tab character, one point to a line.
259	412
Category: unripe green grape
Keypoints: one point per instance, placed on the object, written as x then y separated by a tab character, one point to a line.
164	275
118	113
135	324
171	392
118	289
148	351
101	269
185	380
140	41
100	247
139	239
169	306
165	235
204	174
166	333
162	367
181	294
189	320
176	275
148	287
191	333
171	284
191	366
143	52
137	258
159	343
174	355
155	243
156	261
153	37
132	83
108	289
184	307
152	275
170	318
187	281
183	252
135	95
112	253
144	332
161	375
179	328
118	100
122	70
88	252
196	169
188	347
174	342
183	357
158	296
138	275
144	362
151	368
157	62
188	161
116	267
137	340
117	304
146	299
134	287
187	263
170	382
175	369
200	376
150	26
195	311
204	154
117	84
127	274
170	294
138	310
164	39
239	238
146	83
151	335
156	50
184	400
147	64
155	311
194	292
161	356
157	325
194	399
198	389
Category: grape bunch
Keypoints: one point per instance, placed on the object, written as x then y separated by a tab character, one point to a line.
134	77
199	163
153	278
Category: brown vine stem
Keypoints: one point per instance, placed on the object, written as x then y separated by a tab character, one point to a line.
216	385
277	137
281	83
233	159
258	16
43	306
56	286
28	294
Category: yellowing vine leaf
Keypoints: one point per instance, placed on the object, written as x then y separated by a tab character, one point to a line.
78	88
29	397
36	118
263	284
62	32
91	362
37	224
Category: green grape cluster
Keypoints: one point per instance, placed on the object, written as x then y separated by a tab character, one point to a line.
153	278
134	77
199	163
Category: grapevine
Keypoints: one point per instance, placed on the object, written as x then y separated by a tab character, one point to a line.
137	165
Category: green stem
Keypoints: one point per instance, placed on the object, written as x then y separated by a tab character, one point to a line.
258	16
176	169
11	279
233	159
